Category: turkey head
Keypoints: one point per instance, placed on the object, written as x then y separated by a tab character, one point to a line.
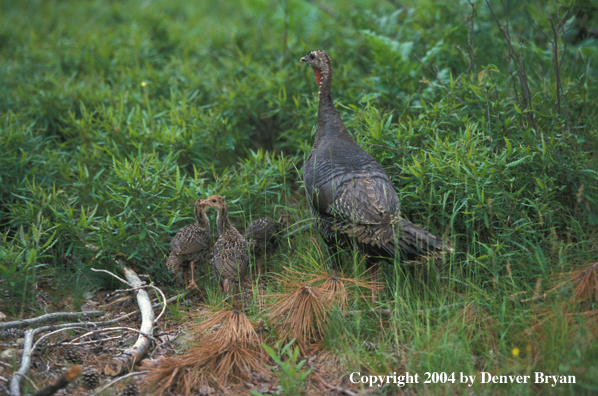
320	63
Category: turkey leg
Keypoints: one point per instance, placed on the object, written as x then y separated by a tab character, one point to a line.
192	284
374	279
332	249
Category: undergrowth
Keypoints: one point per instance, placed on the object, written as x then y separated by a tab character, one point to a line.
116	116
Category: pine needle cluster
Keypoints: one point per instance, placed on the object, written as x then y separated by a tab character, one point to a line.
226	351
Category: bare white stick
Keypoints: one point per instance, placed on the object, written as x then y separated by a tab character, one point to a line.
51	317
15	381
94	341
163	299
130	356
109	330
116	276
34	347
29	347
137	287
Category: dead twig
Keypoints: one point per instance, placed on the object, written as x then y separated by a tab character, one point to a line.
59	383
143	285
90	342
115	276
49	318
109	330
29	347
72	327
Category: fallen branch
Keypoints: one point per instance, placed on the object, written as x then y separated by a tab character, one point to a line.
49	318
72	327
29	347
136	287
90	342
122	268
108	330
171	299
26	362
60	382
127	360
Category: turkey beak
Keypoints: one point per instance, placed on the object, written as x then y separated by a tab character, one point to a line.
304	59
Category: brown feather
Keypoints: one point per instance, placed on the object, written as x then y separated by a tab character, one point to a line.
230	256
192	243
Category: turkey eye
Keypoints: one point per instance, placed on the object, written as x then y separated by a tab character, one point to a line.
311	56
213	200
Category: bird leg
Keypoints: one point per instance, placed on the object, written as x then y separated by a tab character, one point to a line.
374	280
191	284
374	277
332	249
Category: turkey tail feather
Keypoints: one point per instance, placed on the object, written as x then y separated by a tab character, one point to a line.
414	241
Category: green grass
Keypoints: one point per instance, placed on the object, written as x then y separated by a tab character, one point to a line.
116	115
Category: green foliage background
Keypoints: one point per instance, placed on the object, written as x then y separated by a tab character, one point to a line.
116	115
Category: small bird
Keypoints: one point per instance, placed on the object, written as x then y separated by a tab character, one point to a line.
191	245
230	256
352	199
263	235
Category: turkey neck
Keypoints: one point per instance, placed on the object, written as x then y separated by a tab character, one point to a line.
222	221
330	123
202	219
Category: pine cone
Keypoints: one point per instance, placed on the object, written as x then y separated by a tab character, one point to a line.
131	390
10	334
71	356
90	378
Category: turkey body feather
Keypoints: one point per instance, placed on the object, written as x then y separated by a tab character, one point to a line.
192	244
230	256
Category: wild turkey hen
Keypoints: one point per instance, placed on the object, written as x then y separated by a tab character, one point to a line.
231	258
351	197
263	235
191	245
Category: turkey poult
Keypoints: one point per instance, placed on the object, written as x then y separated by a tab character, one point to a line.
191	245
230	255
263	235
351	197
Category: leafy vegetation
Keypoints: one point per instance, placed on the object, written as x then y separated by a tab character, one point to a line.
289	372
116	116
